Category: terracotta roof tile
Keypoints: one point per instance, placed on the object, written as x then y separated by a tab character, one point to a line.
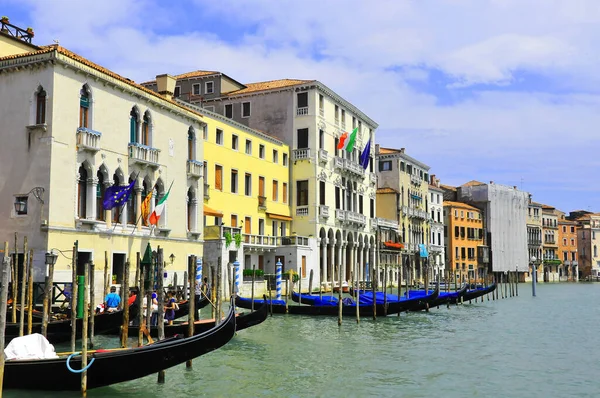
85	61
448	187
270	85
461	205
472	183
386	190
389	150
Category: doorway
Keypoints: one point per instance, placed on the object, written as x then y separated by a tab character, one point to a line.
83	258
118	265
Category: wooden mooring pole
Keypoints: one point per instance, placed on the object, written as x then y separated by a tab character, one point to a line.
106	276
125	305
30	303
3	308
23	288
15	281
92	306
192	300
140	299
74	289
356	273
252	291
340	298
160	292
47	303
84	331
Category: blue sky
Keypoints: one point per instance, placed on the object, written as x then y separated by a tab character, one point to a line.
502	90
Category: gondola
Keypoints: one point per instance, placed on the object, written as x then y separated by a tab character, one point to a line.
475	293
116	366
60	331
243	321
347	309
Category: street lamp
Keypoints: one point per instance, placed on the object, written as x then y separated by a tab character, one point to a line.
21	205
534	274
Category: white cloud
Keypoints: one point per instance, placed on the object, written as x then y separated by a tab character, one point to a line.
373	54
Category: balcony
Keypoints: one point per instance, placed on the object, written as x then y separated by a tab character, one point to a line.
356	218
348	166
301	154
88	140
323	156
302	211
143	155
415	180
324	211
259	240
206	191
302	111
379	222
340	215
293	240
337	121
262	203
194	169
16	32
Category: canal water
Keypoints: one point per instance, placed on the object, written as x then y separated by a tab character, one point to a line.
515	347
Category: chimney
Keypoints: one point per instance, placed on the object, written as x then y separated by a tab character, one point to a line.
401	150
491	182
432	179
376	149
515	187
165	85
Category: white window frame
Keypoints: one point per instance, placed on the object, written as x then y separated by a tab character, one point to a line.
194	86
217	137
261	154
275	156
249	110
212	87
248	152
235	138
175	90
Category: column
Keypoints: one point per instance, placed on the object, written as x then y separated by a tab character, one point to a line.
332	257
194	215
323	259
107	213
343	266
339	261
90	200
138	206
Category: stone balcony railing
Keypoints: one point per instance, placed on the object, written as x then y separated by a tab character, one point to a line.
348	166
350	217
143	154
301	154
324	211
410	212
194	169
274	241
323	155
415	180
302	210
88	140
379	222
302	111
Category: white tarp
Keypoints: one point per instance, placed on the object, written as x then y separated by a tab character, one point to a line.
33	346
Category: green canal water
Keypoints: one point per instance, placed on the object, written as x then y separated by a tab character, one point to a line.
516	347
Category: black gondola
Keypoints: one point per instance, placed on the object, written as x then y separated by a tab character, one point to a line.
243	321
347	310
60	331
116	366
475	293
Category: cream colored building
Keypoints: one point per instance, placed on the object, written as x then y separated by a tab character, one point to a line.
436	221
588	245
72	129
551	261
410	178
534	238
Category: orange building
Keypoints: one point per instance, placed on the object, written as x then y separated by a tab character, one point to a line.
567	249
463	229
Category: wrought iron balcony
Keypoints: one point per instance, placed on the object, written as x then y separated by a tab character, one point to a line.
16	32
262	202
194	169
324	211
143	154
88	139
301	154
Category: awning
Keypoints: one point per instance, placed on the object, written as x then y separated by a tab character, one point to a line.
393	245
281	217
212	212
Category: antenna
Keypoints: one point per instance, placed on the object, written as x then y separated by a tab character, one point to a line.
56	41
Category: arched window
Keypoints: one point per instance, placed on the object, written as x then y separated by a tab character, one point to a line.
100	189
191	144
190	209
82	192
116	211
146	129
131	207
133	125
40	106
84	107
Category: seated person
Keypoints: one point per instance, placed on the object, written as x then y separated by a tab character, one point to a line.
112	300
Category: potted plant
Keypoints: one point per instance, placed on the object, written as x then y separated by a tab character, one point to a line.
4	19
30	31
228	239
238	240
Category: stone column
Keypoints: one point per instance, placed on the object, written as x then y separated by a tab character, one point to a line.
343	266
332	256
194	215
90	200
323	275
340	261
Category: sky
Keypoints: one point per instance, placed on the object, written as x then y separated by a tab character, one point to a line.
490	90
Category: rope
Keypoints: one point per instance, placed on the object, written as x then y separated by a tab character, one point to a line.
80	370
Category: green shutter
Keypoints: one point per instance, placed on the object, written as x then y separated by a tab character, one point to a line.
84	102
132	130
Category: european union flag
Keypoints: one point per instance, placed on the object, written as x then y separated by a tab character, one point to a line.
117	195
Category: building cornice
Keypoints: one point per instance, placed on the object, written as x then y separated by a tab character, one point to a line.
403	156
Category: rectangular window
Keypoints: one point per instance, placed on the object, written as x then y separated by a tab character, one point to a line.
456	231
321	139
248	147
245	109
218	177
84	107
343	117
322	192
40	108
177	92
234	142
205	133
196	89
219	138
336	141
370	164
462	252
337	197
274	228
302	193
261	226
302	100
229	111
337	114
209	87
261	151
372	206
360	204
234	220
285	159
283	228
302	138
275	190
385	165
321	104
572	229
261	186
234	181
439	239
284	192
353	122
275	156
248	184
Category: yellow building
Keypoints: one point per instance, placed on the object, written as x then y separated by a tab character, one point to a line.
72	129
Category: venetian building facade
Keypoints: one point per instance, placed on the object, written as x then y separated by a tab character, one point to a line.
436	217
76	129
551	261
410	178
567	249
534	237
588	244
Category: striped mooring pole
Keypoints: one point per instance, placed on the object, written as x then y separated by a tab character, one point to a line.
278	280
236	264
198	270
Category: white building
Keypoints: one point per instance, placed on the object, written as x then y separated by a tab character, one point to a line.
436	214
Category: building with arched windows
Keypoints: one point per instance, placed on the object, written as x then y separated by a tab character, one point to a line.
76	129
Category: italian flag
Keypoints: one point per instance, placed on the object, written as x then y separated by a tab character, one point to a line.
159	209
347	142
